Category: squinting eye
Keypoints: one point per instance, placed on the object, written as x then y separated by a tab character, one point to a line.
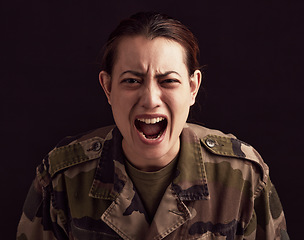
169	81
130	80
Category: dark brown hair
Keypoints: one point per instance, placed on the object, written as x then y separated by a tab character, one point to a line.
152	25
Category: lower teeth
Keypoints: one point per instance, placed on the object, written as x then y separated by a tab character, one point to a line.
149	137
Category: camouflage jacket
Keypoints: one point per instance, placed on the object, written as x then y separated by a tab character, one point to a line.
221	190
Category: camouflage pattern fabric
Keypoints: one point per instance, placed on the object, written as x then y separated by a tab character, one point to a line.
221	190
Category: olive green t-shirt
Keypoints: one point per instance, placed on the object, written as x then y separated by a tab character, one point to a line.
151	186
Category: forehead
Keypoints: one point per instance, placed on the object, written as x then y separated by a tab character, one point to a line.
143	54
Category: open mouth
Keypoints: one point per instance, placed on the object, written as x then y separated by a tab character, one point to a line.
151	128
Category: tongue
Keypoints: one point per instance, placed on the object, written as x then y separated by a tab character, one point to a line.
150	129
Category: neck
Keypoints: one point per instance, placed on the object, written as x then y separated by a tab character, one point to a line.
150	164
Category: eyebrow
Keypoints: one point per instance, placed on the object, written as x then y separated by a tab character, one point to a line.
158	75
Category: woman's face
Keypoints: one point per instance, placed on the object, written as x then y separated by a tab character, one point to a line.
150	93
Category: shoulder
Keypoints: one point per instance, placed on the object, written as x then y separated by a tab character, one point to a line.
75	150
228	146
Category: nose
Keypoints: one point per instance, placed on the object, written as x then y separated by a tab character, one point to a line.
151	95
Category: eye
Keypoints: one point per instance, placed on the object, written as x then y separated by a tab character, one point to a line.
170	82
130	81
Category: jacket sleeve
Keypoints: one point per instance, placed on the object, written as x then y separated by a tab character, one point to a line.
268	220
39	219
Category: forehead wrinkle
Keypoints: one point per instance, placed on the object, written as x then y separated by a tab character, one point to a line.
158	74
138	74
144	63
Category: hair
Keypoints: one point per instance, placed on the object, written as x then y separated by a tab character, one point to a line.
152	25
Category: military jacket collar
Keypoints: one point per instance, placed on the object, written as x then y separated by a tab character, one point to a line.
190	182
126	215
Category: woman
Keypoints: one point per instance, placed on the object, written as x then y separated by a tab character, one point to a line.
152	176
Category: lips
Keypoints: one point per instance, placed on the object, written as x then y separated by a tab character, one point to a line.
151	128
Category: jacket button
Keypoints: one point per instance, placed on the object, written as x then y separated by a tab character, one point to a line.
96	146
210	142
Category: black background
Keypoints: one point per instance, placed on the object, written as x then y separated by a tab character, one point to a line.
253	87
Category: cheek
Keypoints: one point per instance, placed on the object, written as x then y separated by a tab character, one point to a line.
121	104
182	99
116	105
179	105
117	98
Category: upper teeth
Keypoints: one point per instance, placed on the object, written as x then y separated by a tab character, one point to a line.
151	120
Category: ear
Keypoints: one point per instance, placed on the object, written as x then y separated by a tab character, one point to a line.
105	82
195	82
